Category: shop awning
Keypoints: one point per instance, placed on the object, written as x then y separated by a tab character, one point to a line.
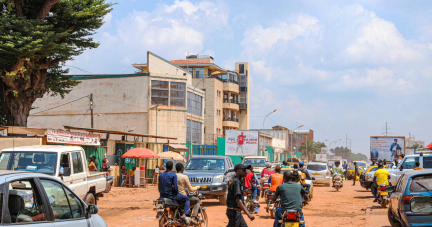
117	132
178	147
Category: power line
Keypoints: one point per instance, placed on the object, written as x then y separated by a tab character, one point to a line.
119	102
60	105
105	118
80	118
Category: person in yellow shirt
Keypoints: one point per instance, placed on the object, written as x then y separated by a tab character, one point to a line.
131	174
418	166
92	166
381	176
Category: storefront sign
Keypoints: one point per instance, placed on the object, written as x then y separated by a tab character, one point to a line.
59	136
321	157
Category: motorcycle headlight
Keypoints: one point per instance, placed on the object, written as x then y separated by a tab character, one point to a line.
218	179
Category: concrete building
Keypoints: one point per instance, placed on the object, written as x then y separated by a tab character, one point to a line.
411	141
308	135
226	94
158	101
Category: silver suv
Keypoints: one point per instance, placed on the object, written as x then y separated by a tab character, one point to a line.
320	171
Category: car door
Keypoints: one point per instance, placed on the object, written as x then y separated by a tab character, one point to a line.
79	175
26	203
67	209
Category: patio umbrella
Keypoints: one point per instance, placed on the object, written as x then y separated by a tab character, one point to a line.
172	155
140	152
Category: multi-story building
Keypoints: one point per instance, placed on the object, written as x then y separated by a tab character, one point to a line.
226	94
308	135
158	101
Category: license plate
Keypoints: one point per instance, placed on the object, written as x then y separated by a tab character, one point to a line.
384	193
316	174
202	186
292	224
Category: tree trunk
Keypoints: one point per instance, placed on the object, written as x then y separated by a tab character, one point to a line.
18	108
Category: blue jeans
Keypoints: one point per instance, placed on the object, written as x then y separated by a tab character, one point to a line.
255	189
278	216
186	199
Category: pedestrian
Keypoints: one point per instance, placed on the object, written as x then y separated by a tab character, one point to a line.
183	183
356	173
418	166
345	167
235	199
95	162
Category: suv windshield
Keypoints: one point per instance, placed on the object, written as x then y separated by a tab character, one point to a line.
316	167
258	162
206	164
39	162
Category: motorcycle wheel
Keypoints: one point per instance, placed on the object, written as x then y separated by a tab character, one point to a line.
163	221
384	204
108	188
337	188
272	213
204	217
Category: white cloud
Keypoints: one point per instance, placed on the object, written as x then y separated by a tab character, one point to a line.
107	19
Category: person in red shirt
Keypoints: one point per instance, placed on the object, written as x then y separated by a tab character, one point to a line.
240	141
251	181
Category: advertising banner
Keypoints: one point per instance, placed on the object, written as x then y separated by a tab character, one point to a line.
323	150
58	136
321	157
389	148
241	143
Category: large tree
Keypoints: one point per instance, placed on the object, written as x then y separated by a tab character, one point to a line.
36	38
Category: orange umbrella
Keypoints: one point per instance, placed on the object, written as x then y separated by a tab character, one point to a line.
140	152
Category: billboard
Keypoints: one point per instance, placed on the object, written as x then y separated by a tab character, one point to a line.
241	143
59	136
321	157
386	147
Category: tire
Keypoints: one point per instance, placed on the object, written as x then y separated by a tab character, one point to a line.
162	221
90	199
337	188
204	218
392	220
222	199
108	188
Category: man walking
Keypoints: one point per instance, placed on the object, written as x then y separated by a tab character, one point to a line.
345	167
356	173
235	203
240	141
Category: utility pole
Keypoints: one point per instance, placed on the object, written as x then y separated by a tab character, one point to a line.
91	110
386	128
346	140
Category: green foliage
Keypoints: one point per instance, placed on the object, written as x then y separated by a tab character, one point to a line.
415	146
36	38
346	153
312	149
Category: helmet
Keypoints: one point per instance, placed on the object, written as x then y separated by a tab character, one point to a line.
301	163
337	162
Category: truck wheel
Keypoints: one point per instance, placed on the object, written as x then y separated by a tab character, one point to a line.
222	199
90	199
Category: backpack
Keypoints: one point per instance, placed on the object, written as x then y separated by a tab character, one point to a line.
296	176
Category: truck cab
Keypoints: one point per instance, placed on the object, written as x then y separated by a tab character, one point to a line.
257	162
67	163
408	163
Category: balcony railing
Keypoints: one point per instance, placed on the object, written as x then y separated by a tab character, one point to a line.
230	119
231	81
230	101
243	106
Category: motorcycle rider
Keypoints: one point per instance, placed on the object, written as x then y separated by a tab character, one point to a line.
291	195
265	174
168	188
250	182
381	176
337	170
275	179
183	184
235	203
297	174
303	170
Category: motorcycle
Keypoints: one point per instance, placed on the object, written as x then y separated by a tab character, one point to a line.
264	186
291	218
250	203
270	206
384	197
169	213
337	182
109	183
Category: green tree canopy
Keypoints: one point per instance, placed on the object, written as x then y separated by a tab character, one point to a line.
311	148
36	38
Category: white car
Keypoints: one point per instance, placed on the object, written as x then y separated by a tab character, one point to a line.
36	199
320	171
408	163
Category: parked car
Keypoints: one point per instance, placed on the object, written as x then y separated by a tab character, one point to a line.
320	171
411	199
408	164
351	172
211	173
50	160
36	199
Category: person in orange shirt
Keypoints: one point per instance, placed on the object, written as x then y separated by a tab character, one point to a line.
92	166
418	166
275	179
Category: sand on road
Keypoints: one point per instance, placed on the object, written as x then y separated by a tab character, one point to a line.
351	206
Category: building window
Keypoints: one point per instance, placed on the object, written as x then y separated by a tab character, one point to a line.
191	71
199	72
243	81
178	92
241	68
159	92
242	98
194	104
196	132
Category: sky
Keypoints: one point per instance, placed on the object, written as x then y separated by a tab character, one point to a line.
340	68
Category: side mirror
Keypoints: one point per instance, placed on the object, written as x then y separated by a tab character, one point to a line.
92	209
66	171
231	170
390	189
313	178
401	168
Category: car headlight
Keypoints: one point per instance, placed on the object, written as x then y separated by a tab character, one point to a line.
218	179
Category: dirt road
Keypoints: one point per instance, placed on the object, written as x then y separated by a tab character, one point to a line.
352	206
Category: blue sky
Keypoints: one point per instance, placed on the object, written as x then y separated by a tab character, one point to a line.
337	68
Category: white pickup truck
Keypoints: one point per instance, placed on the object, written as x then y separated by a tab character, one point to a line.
408	163
49	159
